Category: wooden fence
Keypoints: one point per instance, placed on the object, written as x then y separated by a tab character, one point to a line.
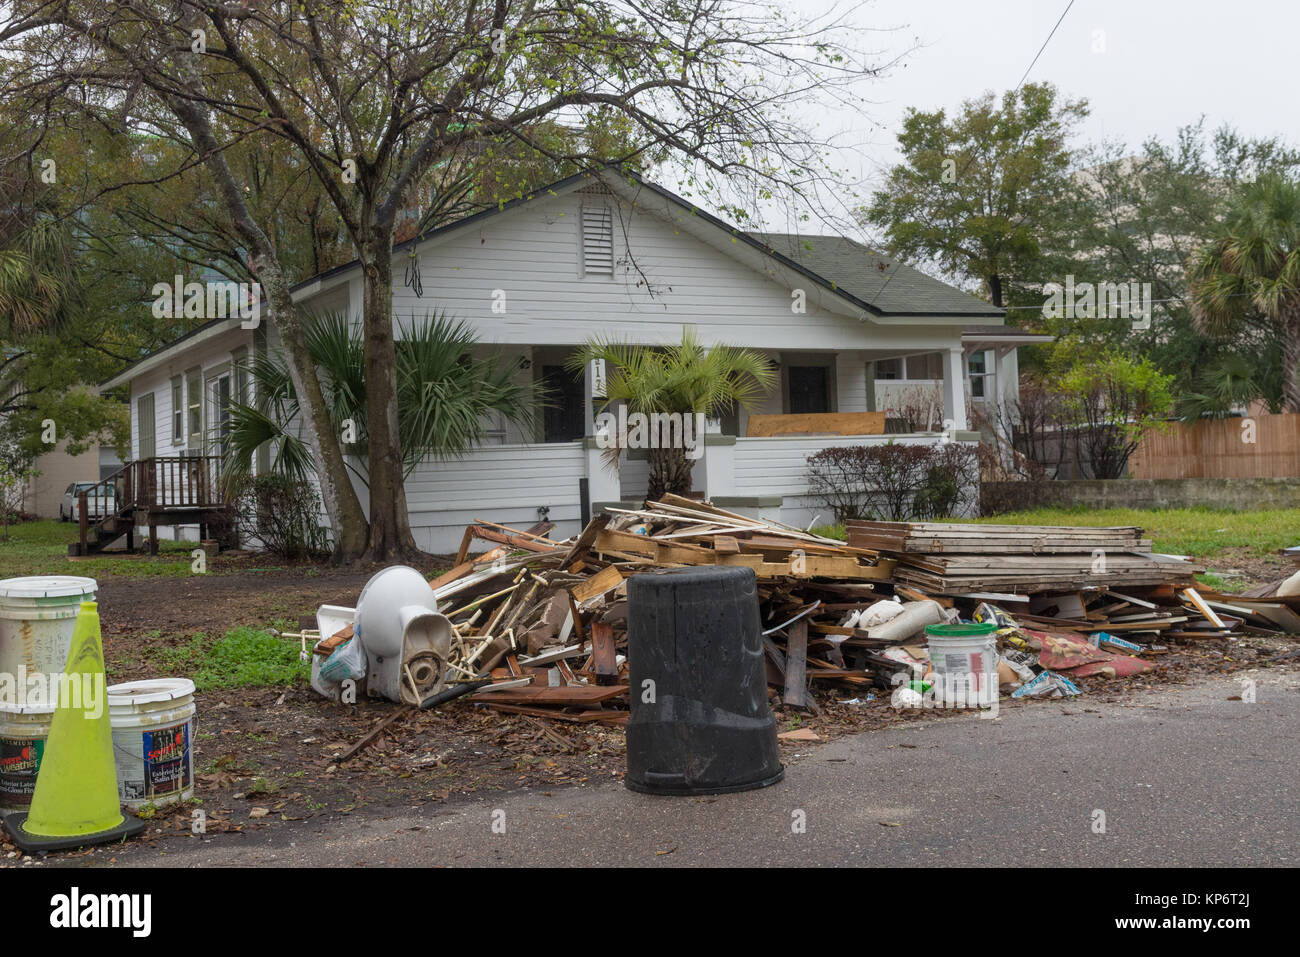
1266	446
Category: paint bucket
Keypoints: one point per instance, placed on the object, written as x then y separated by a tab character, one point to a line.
37	615
964	659
23	730
153	740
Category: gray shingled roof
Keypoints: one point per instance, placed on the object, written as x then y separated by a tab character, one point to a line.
862	273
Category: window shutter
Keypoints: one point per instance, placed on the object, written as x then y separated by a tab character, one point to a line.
597	241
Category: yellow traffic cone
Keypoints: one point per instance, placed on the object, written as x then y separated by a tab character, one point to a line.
76	802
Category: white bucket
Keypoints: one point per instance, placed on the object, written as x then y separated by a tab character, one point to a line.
153	740
23	730
37	616
965	667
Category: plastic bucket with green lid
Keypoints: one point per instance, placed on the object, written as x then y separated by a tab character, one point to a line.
964	659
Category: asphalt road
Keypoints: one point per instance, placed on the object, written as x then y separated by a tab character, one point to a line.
1184	777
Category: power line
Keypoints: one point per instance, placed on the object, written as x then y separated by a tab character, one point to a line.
1013	93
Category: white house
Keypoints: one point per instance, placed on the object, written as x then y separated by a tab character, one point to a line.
612	254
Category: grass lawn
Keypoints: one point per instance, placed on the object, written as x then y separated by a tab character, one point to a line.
1199	532
241	658
41	548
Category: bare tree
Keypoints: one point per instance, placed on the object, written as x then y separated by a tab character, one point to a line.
374	95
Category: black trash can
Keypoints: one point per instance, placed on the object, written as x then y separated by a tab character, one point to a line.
700	721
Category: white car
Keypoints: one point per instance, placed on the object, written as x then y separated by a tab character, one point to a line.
99	503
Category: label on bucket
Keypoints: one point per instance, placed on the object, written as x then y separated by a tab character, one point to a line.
20	759
154	764
167	759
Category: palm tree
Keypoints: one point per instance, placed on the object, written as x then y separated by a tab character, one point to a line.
443	393
683	379
1254	266
38	282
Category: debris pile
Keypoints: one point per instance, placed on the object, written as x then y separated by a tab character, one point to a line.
539	626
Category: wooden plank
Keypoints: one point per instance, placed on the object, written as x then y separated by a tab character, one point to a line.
603	653
585	540
726	545
1191	595
598	584
817	423
796	664
576	696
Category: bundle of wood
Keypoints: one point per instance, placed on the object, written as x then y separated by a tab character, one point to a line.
962	559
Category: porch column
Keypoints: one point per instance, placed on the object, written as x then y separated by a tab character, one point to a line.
954	388
1001	379
719	465
603	485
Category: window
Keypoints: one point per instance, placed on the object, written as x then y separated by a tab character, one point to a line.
978	369
220	413
178	411
239	362
597	240
145	425
194	408
809	389
928	366
889	368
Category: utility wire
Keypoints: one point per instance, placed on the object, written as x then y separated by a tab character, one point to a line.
972	157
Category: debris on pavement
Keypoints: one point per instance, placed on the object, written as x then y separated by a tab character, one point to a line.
541	624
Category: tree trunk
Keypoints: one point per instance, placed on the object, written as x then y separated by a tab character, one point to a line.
995	290
670	472
390	522
338	497
1291	358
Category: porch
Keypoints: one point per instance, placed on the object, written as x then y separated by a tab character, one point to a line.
177	490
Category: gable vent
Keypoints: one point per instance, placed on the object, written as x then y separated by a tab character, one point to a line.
597	240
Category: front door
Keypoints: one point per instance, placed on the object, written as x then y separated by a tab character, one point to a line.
809	389
565	416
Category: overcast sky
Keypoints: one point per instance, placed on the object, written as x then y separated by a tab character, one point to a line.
1161	64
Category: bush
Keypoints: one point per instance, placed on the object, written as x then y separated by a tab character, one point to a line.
892	482
283	514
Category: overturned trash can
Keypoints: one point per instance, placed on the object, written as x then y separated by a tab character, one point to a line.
700	721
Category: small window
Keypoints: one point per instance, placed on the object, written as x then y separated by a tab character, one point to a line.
597	240
927	367
889	368
178	412
194	406
978	370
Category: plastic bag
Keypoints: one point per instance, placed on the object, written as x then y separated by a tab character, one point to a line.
346	661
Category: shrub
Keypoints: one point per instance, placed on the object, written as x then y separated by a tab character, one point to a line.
893	482
282	513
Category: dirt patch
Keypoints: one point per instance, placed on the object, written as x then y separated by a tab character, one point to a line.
1242	567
